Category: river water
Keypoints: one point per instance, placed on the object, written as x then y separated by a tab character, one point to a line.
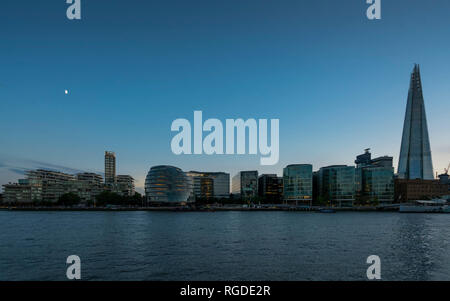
224	245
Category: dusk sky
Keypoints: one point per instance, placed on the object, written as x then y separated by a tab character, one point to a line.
337	81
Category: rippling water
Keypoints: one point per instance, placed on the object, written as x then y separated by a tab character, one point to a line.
223	245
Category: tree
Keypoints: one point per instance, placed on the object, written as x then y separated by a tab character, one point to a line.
69	199
108	198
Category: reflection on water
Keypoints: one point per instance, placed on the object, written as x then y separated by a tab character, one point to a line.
223	245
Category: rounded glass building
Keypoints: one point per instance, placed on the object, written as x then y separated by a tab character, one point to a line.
168	184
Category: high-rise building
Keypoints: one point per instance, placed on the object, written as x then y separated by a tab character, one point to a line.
337	185
110	168
270	188
415	154
298	184
245	184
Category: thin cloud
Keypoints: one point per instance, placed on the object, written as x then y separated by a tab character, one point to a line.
19	166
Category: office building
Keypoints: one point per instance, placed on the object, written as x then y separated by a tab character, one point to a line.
270	188
168	185
245	185
202	185
337	185
298	184
221	182
374	179
210	184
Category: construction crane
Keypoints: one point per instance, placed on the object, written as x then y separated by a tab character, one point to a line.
447	169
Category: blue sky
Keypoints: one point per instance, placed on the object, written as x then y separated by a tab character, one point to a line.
337	81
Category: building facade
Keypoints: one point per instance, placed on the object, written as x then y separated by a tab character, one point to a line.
168	185
47	186
245	184
18	194
210	184
87	186
298	184
337	185
415	154
125	185
374	179
270	188
51	184
413	190
221	181
202	185
110	168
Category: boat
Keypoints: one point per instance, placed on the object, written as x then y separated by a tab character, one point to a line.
327	210
422	206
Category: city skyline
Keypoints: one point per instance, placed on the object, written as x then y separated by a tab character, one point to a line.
336	89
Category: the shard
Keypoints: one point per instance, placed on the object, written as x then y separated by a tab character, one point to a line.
415	153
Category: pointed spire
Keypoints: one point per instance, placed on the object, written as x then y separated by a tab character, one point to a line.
415	155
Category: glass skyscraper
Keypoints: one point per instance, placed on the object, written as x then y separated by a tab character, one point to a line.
415	153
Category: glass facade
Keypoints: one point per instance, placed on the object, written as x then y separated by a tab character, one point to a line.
245	184
168	184
210	184
378	183
298	184
415	154
270	188
337	185
202	185
374	179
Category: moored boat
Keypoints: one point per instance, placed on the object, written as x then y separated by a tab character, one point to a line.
433	206
327	210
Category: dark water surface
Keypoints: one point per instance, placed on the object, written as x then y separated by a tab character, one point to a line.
223	245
